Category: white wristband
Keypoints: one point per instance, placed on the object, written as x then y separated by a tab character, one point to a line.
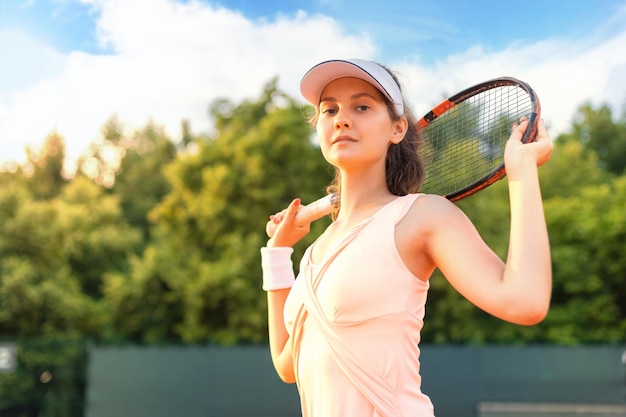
277	268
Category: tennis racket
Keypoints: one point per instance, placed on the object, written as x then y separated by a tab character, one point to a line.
463	141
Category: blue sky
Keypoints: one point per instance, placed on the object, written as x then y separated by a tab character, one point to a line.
430	28
69	65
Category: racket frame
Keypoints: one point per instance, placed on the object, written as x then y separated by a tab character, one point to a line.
529	135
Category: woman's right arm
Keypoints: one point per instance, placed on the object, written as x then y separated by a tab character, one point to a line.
285	236
280	347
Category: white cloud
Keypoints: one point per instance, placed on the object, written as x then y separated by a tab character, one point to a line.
169	60
564	75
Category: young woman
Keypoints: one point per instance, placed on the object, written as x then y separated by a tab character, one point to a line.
347	330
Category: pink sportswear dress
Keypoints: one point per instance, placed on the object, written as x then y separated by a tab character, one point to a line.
355	322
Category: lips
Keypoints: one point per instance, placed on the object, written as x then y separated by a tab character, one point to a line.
343	138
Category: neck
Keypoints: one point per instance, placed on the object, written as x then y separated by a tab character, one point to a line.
362	192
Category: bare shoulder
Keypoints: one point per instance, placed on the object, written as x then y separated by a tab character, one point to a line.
430	211
429	216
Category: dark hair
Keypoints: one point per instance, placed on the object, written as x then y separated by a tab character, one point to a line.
403	166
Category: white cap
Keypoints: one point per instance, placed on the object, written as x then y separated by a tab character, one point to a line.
318	77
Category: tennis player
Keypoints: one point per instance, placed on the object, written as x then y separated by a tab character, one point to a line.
347	330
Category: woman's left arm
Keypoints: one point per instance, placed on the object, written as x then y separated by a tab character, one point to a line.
519	290
528	261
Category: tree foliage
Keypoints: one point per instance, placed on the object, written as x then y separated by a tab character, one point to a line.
199	278
141	182
601	136
53	255
45	169
169	250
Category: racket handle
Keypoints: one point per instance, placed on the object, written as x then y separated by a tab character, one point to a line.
309	213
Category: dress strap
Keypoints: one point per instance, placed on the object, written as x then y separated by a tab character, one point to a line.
403	205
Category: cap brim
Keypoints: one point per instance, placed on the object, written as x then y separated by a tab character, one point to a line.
318	77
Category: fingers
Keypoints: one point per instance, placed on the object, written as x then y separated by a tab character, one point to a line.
290	212
546	145
519	129
542	132
283	229
278	217
522	124
540	148
286	216
521	120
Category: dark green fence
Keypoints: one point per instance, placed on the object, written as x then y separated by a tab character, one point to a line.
472	381
187	382
463	381
69	378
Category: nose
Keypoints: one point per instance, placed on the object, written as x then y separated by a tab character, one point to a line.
341	121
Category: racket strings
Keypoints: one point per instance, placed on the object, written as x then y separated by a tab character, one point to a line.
466	143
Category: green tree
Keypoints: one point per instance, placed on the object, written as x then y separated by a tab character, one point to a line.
600	134
96	238
141	183
39	296
588	231
53	254
44	169
587	221
49	381
57	237
200	276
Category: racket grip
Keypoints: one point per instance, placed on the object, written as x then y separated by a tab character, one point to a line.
307	214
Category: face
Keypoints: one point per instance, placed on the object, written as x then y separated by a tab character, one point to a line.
354	126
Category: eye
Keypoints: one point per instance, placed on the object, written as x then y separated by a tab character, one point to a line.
362	107
330	111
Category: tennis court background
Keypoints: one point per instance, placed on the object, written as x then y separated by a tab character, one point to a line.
463	381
